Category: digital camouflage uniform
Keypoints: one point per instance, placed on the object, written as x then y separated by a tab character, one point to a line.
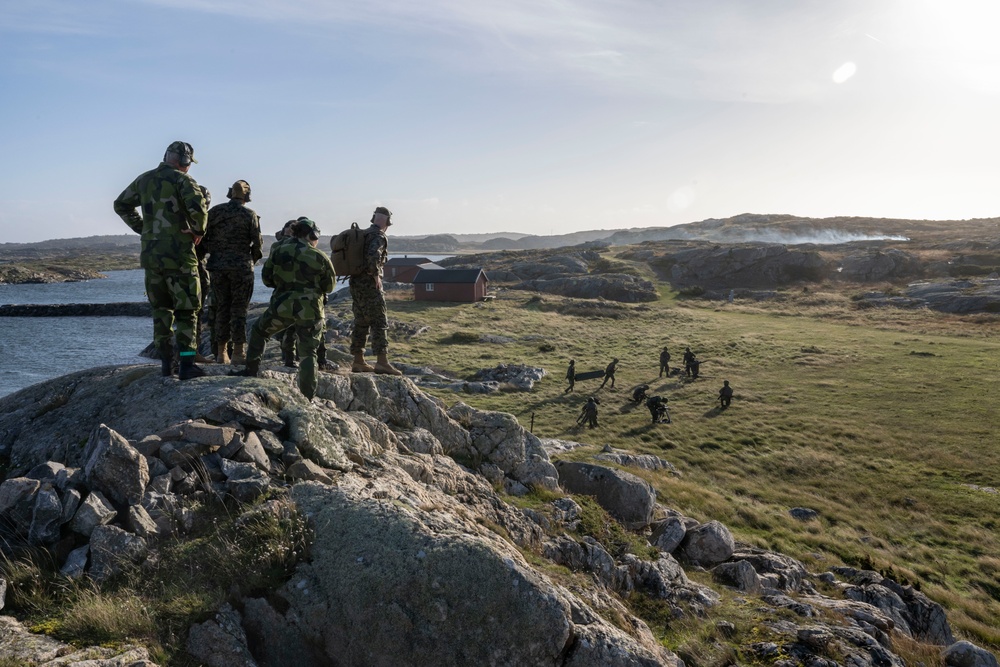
368	300
234	244
171	201
301	276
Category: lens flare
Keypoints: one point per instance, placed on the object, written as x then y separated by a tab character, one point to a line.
844	72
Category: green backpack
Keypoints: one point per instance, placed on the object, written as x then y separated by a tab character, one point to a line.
347	250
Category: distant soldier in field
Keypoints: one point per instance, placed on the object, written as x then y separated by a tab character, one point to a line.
725	395
695	366
665	362
234	244
639	395
658	409
588	414
688	358
172	224
300	275
571	375
609	373
369	300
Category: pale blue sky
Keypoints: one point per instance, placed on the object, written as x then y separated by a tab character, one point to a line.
534	116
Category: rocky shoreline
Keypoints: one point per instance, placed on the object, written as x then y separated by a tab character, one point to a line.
123	309
14	274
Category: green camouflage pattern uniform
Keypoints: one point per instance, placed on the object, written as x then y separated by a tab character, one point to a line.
234	244
368	301
301	276
171	201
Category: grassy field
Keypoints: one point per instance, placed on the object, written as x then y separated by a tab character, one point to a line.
883	421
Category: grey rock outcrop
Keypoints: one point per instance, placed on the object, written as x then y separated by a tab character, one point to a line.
707	545
614	287
745	266
25	648
517	375
221	641
115	468
628	498
387	564
967	654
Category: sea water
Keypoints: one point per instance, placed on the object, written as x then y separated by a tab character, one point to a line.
33	349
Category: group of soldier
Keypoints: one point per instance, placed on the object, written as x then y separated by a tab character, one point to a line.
657	405
186	245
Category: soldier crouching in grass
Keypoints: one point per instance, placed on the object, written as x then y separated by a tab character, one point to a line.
173	220
301	277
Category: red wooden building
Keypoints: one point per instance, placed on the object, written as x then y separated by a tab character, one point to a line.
464	285
404	269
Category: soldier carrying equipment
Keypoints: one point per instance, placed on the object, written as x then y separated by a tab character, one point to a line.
658	409
639	395
347	251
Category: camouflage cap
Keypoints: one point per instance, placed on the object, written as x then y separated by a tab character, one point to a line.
306	222
183	150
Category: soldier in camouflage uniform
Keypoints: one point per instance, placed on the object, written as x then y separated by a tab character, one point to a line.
301	276
234	244
205	313
369	300
174	215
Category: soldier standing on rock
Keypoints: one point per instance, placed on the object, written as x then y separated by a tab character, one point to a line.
172	224
609	373
234	244
369	300
301	276
571	375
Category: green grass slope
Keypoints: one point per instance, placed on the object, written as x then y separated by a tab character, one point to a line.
882	421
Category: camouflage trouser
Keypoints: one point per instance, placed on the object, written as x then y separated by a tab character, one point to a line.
369	314
175	297
232	290
206	314
288	345
309	333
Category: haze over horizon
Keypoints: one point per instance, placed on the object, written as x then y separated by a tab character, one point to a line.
530	117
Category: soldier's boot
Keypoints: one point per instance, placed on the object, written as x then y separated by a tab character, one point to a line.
166	360
359	365
187	369
239	353
383	366
288	359
222	352
251	371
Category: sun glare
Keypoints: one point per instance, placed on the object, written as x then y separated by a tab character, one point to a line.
844	72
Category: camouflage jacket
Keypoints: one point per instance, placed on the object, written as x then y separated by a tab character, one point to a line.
233	239
376	251
297	271
171	201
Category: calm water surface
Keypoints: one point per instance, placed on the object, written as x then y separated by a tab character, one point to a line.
33	349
